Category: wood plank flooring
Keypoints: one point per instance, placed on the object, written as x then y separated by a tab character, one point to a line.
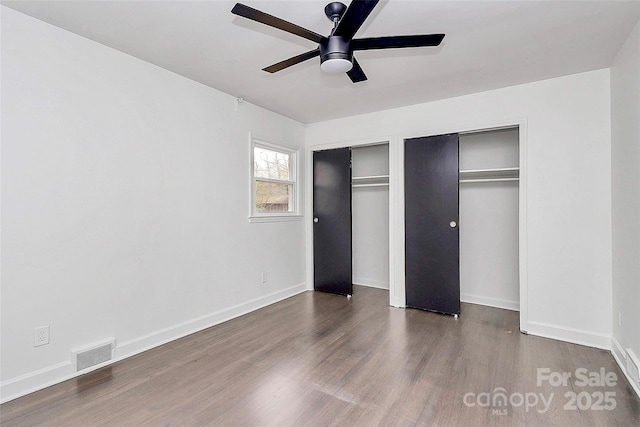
324	360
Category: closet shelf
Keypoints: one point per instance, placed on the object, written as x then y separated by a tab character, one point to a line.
370	181
489	175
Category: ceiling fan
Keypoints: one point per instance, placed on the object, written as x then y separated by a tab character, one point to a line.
336	50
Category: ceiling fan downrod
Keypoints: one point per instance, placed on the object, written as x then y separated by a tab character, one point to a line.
334	11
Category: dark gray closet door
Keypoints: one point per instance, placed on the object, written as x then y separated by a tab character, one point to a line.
431	232
332	268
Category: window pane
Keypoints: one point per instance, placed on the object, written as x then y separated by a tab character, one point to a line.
270	164
272	197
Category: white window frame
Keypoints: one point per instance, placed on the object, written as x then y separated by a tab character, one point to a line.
294	181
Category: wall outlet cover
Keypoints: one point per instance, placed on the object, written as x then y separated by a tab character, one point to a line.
41	336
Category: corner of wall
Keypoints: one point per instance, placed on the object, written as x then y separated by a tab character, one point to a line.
625	205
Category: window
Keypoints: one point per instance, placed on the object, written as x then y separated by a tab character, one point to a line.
274	183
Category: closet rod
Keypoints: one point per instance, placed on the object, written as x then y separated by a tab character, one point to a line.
385	184
489	180
363	178
489	170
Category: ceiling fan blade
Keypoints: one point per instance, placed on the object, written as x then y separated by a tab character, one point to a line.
354	17
393	42
272	21
356	74
292	61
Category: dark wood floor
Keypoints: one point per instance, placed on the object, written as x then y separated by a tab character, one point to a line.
321	359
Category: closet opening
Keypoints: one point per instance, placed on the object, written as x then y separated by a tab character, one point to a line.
351	218
489	217
370	215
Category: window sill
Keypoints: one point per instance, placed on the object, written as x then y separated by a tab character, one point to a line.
275	218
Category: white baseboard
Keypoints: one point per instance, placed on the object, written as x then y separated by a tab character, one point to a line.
163	336
63	371
572	335
618	352
371	283
620	356
34	381
491	302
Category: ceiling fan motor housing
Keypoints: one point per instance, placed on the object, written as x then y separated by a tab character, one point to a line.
336	47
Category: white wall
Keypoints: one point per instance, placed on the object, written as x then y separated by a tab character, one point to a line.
124	204
568	188
625	188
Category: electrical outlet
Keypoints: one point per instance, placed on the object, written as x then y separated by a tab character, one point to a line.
263	277
42	336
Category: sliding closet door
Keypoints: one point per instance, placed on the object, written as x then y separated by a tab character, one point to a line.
332	221
431	231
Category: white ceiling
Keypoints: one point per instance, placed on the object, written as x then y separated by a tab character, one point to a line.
487	45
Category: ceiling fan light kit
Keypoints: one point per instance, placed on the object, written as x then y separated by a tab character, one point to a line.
336	50
336	65
336	55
